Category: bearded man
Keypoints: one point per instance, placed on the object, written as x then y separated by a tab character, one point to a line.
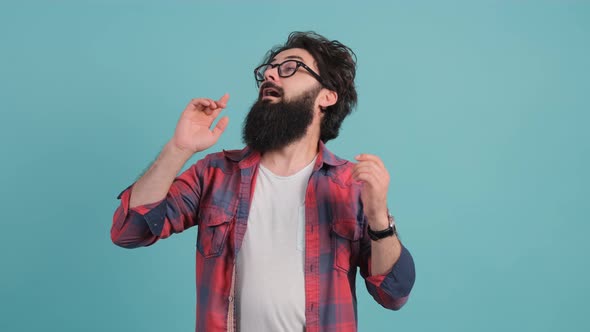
283	224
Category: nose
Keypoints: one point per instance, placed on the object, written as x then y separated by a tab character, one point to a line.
271	73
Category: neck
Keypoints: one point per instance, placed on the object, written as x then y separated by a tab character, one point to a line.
292	158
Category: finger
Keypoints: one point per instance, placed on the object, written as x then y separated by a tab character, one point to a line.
220	126
364	167
371	157
379	170
213	104
200	103
380	173
222	102
369	165
366	177
211	108
215	113
372	178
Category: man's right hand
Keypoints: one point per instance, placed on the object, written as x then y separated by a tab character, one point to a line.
193	133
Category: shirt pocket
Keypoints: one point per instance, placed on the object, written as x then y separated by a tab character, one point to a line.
214	225
346	234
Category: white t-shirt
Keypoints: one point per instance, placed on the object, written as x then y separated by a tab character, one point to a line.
270	284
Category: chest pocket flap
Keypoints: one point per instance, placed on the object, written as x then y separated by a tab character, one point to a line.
345	241
214	225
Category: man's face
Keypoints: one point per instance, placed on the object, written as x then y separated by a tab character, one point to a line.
286	106
275	88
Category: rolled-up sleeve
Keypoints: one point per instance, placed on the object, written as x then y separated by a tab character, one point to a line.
391	290
145	224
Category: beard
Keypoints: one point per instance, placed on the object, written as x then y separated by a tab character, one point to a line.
272	126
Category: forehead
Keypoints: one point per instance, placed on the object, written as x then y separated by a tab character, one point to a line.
296	54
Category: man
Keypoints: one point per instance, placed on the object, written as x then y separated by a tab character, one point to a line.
282	224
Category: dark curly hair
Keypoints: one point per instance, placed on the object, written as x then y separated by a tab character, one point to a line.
337	65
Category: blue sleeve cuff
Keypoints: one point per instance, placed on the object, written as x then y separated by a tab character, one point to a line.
155	218
400	280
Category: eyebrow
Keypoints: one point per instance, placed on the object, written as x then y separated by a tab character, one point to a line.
288	58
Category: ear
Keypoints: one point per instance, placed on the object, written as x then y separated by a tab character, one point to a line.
327	98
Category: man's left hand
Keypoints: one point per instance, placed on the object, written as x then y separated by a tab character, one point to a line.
371	171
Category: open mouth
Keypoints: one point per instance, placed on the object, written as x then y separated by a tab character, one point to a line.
270	92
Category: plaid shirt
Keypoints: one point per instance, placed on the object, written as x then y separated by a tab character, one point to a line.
215	194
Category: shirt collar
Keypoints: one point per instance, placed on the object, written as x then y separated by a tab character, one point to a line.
248	157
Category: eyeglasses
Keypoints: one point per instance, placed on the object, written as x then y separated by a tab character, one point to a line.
286	68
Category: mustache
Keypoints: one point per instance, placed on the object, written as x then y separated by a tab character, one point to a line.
268	84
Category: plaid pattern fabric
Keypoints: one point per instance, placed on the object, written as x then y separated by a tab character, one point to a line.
215	194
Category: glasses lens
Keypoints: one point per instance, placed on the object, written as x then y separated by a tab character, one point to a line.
260	72
288	68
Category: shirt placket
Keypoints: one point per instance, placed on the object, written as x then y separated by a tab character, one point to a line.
247	181
231	321
312	257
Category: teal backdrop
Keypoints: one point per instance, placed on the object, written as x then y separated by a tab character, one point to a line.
479	110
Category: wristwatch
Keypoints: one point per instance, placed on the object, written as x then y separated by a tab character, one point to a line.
389	231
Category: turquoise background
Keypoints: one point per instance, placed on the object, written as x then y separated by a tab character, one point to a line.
478	109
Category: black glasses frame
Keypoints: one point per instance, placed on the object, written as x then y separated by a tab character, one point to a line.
299	64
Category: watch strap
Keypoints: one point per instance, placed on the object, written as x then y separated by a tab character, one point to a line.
389	231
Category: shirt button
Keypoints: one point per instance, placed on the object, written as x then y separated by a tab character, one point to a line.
230	299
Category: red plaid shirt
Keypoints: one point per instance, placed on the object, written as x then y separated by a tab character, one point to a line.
215	195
